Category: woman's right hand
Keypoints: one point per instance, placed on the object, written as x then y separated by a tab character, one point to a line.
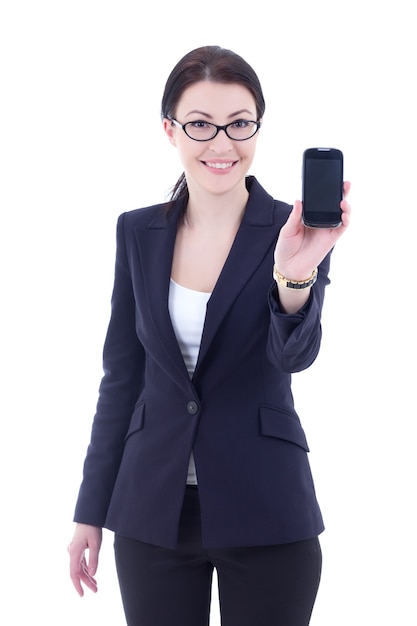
82	570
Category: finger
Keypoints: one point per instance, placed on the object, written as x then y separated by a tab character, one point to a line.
93	560
346	188
346	211
294	221
77	584
76	576
80	575
79	570
87	578
76	558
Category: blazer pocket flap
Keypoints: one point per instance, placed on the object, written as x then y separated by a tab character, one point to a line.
137	420
282	425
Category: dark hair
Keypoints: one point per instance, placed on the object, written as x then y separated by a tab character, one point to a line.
214	64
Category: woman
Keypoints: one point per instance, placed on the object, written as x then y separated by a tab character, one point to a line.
197	458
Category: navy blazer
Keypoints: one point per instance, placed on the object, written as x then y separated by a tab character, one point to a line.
236	413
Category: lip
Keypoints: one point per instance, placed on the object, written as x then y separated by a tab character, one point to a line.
219	167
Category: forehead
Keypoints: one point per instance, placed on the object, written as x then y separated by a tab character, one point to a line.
216	100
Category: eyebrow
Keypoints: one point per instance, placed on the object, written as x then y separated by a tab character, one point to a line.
196	111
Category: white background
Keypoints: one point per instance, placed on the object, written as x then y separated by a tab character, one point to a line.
81	141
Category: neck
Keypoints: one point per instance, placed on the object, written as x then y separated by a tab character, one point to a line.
210	210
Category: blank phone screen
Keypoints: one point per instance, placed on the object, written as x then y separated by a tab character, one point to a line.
323	180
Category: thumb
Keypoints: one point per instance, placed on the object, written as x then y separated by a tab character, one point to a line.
92	562
294	221
297	210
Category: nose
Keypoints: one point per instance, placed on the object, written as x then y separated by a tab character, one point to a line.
221	142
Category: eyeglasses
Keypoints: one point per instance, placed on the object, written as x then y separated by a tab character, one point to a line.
240	130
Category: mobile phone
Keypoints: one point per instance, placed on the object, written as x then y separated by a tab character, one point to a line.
322	187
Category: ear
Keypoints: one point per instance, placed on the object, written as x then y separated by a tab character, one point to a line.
169	129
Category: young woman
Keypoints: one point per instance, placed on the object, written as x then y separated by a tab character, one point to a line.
197	458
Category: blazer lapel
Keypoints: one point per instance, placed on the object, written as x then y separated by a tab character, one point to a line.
256	235
156	247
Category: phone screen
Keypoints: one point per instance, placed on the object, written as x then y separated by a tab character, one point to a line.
322	187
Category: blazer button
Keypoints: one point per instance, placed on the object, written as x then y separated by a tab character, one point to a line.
192	407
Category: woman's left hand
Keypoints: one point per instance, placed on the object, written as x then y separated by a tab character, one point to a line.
300	249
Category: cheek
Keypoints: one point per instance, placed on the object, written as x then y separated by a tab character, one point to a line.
188	152
254	145
248	152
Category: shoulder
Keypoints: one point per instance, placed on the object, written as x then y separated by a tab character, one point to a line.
144	217
131	223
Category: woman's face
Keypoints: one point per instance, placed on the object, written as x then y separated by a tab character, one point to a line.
220	164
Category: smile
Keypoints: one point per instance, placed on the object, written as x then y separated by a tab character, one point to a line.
220	166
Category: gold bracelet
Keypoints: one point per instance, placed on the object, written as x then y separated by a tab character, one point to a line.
294	284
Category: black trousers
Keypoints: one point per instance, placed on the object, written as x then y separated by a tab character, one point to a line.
258	586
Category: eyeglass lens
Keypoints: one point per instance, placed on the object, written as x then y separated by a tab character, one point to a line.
239	130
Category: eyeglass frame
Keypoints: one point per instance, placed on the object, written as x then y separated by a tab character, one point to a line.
218	128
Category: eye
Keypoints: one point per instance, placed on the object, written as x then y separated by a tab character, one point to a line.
241	124
199	124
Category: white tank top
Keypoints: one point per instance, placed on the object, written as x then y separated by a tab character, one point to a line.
187	309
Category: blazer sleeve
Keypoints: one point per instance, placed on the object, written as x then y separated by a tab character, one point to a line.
294	339
123	366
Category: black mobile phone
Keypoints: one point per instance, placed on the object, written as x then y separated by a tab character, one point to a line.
322	187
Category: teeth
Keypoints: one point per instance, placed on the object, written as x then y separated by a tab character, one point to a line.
220	166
